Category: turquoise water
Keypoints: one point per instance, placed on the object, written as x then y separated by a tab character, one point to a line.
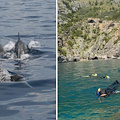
76	94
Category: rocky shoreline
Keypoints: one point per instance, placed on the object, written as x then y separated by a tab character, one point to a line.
63	59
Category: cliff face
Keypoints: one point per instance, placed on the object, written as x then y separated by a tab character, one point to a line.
88	39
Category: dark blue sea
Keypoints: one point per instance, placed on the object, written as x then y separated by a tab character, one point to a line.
34	98
77	98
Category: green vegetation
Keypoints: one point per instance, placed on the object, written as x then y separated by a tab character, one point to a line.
62	51
77	23
116	41
65	27
106	39
67	4
77	33
85	48
70	43
106	9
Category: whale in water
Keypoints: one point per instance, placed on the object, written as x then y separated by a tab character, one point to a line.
6	76
20	48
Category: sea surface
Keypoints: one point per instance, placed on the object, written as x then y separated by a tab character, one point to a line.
77	98
34	98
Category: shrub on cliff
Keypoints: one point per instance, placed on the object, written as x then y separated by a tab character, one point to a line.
70	43
62	51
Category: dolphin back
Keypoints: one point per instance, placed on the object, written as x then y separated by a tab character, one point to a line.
20	47
1	50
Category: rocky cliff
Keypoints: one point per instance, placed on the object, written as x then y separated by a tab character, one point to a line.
90	38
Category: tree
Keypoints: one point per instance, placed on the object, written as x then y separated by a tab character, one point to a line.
96	2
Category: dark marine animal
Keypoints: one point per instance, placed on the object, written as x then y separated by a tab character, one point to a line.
20	48
1	50
6	76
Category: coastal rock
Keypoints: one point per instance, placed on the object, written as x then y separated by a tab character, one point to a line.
62	59
99	39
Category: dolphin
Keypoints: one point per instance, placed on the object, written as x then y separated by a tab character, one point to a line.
1	50
16	77
20	47
6	76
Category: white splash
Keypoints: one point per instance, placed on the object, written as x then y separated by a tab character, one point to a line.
4	75
34	44
24	56
9	50
8	55
10	46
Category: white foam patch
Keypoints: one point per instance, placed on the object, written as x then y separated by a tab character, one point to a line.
4	75
34	44
8	54
117	91
12	56
9	46
24	56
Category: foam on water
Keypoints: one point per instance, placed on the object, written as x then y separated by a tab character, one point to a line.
9	50
34	44
10	46
4	75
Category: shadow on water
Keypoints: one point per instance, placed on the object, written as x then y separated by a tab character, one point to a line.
43	84
52	67
36	52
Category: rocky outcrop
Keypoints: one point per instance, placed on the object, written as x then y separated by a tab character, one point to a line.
97	39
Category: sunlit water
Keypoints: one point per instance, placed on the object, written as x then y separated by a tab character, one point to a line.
76	94
35	98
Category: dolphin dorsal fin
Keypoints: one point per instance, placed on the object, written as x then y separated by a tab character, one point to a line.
18	36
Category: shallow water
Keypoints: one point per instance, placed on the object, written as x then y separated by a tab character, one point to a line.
35	98
76	94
